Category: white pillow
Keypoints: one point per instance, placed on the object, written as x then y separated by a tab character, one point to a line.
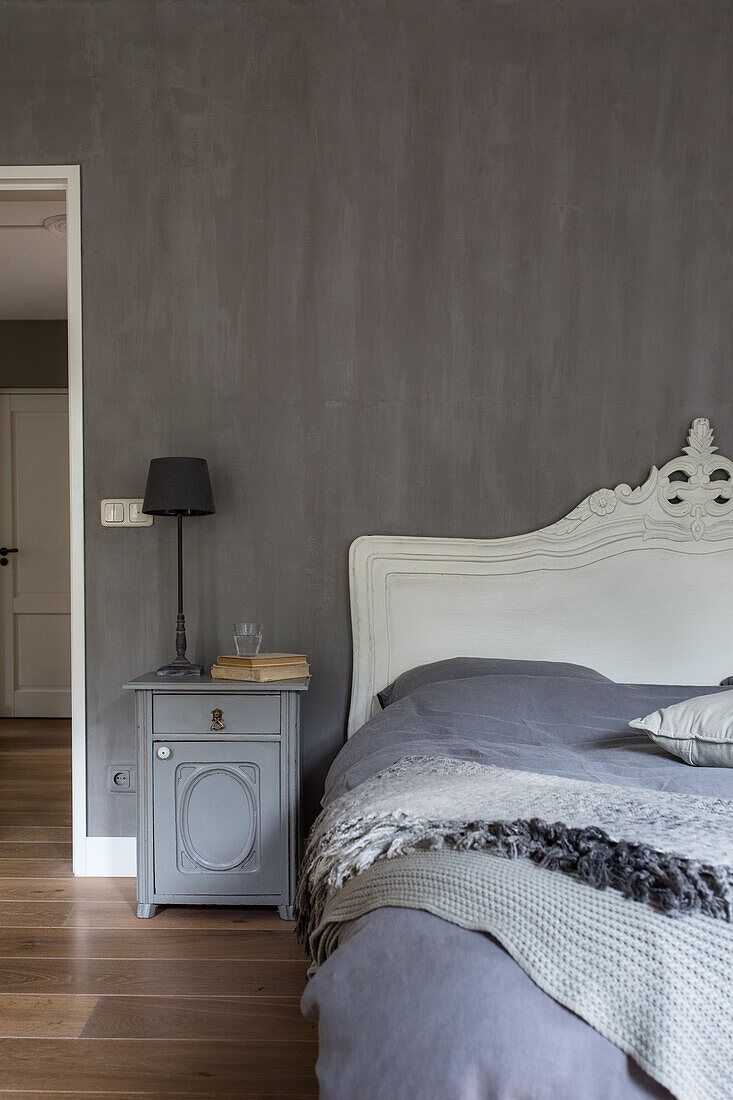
699	731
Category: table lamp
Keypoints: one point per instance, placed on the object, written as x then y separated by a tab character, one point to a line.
179	487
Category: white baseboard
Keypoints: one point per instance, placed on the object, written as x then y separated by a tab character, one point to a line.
111	857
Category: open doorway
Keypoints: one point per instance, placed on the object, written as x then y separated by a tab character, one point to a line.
35	589
41	496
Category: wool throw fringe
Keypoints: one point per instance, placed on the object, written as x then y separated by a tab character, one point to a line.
673	852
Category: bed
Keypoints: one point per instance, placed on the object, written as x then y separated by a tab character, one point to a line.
530	654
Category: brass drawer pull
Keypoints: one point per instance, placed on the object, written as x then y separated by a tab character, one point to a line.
216	719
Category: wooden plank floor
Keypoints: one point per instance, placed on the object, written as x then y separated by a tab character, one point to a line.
94	1003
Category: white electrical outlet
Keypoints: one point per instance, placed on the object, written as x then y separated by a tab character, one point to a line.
121	777
124	512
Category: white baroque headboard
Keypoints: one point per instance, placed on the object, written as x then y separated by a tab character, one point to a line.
636	583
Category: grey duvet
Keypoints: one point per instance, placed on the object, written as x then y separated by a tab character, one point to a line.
410	1005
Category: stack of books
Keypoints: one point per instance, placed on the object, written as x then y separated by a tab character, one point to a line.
263	668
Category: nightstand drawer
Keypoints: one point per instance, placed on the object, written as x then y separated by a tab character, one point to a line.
195	713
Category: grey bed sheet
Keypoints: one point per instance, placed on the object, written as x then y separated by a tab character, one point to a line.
411	1006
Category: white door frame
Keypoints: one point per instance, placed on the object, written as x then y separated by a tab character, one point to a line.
66	177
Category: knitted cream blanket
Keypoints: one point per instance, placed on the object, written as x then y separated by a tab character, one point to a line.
427	832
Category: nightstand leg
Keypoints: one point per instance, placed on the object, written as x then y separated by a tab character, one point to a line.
286	912
146	910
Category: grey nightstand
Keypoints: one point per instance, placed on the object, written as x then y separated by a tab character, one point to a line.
218	779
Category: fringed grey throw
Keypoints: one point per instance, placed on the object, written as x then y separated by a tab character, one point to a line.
427	832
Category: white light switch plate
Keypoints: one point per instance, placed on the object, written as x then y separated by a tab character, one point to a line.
124	512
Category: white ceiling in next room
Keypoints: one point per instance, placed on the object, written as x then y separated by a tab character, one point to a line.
32	260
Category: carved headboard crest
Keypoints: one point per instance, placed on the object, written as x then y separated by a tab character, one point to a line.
618	584
690	495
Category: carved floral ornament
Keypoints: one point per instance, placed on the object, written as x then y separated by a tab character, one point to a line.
691	496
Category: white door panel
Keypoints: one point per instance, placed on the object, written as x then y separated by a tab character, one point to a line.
34	516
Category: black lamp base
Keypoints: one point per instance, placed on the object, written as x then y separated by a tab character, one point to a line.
180	667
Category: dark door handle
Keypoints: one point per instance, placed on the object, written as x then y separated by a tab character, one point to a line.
4	551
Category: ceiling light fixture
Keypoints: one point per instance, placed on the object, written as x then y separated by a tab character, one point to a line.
56	225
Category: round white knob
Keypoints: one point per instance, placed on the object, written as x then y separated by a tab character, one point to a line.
163	752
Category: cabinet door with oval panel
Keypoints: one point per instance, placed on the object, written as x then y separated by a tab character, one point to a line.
218	823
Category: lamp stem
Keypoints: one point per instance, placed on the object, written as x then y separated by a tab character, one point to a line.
181	618
181	666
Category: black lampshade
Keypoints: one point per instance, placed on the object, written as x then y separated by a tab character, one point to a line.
178	487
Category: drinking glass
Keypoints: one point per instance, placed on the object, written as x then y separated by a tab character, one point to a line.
247	638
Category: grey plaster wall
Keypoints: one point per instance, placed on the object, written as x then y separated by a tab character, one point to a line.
430	266
33	354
